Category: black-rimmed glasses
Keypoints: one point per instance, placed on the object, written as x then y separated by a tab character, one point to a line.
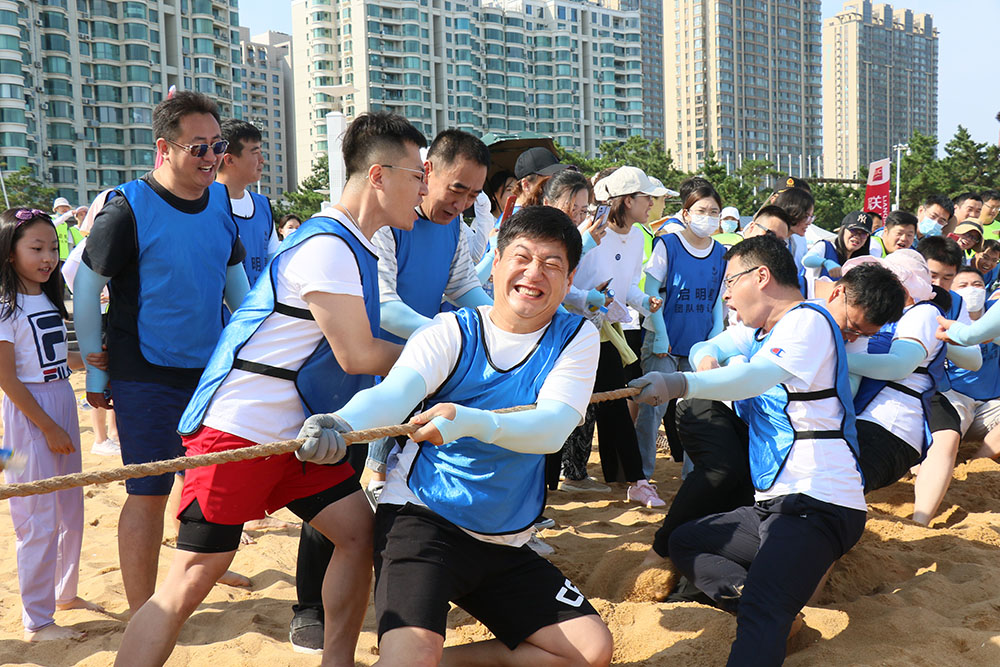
423	173
729	281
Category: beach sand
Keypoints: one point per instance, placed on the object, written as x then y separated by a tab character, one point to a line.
905	595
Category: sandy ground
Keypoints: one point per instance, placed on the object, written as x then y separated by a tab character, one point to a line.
905	595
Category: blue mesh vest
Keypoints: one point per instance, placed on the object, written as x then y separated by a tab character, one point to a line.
984	384
322	384
772	434
183	260
255	233
690	290
829	253
480	486
880	343
423	266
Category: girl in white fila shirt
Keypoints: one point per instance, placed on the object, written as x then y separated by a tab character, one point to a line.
39	420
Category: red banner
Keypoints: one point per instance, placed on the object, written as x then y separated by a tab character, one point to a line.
878	188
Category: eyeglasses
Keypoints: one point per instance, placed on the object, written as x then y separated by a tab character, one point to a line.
729	281
850	329
423	174
199	150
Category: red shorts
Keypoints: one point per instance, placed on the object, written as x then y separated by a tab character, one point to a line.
241	491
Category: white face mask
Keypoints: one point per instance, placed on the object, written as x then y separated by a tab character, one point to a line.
729	225
703	225
975	297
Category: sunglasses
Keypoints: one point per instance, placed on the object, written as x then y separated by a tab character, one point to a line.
199	150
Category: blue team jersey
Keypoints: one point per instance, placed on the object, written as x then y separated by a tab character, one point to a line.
689	290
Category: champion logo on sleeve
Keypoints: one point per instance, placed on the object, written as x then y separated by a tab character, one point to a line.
777	351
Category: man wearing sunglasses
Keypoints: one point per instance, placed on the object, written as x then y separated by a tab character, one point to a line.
169	250
765	560
419	269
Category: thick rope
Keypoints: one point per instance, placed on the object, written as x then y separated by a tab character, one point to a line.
255	451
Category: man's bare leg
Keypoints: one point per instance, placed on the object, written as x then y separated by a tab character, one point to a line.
140	532
152	633
409	646
990	448
347	584
584	641
934	476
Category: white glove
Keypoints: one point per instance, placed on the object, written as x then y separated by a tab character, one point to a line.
323	442
659	388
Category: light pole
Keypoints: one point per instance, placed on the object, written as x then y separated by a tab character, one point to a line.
899	148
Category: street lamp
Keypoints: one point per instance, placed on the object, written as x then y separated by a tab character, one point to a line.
899	148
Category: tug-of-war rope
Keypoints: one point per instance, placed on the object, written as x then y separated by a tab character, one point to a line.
74	480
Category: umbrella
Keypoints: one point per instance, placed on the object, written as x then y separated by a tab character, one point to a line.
506	147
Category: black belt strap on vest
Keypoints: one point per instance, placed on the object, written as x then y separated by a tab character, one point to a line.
909	391
292	311
813	395
264	369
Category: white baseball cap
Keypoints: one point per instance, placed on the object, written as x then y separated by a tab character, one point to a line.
627	181
730	212
60	201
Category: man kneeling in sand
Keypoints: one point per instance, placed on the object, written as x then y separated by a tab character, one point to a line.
459	503
764	561
302	342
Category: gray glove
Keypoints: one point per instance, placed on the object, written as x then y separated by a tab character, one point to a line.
323	442
659	388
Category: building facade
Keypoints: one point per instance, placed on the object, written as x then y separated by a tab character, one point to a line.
742	78
79	80
879	83
267	103
651	20
570	69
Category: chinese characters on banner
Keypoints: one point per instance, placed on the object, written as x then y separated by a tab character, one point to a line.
877	190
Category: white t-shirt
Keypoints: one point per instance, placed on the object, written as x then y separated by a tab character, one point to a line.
244	208
432	351
39	337
802	344
619	257
261	408
896	412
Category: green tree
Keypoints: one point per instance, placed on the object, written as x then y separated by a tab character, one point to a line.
834	201
650	156
305	201
24	189
746	187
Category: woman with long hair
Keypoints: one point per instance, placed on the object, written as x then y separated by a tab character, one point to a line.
853	240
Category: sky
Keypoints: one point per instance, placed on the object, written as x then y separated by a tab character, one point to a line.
967	93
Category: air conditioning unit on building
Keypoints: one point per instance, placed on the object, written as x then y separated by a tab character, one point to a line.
92	123
38	64
38	89
91	144
89	79
44	106
47	153
38	22
84	37
87	102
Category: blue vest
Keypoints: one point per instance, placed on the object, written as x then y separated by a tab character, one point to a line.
990	277
423	266
690	290
829	252
480	486
984	384
255	233
772	434
183	260
869	388
322	384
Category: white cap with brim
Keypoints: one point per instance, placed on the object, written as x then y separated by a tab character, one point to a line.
730	212
60	201
627	181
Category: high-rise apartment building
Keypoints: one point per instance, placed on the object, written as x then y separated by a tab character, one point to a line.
570	69
267	103
742	77
79	80
651	20
879	83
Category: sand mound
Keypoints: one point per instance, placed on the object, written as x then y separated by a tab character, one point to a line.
905	595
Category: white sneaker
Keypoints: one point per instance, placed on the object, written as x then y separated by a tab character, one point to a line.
373	491
84	405
107	448
539	547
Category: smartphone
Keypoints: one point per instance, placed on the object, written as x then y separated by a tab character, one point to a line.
508	210
601	216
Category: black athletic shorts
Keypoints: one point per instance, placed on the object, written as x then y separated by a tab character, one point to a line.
200	535
943	416
885	457
423	562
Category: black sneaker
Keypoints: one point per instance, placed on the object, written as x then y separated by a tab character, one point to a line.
306	632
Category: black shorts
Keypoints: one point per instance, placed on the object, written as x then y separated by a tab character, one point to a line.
423	562
943	416
634	339
198	534
885	457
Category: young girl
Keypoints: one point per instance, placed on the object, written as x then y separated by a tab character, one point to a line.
39	420
288	224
